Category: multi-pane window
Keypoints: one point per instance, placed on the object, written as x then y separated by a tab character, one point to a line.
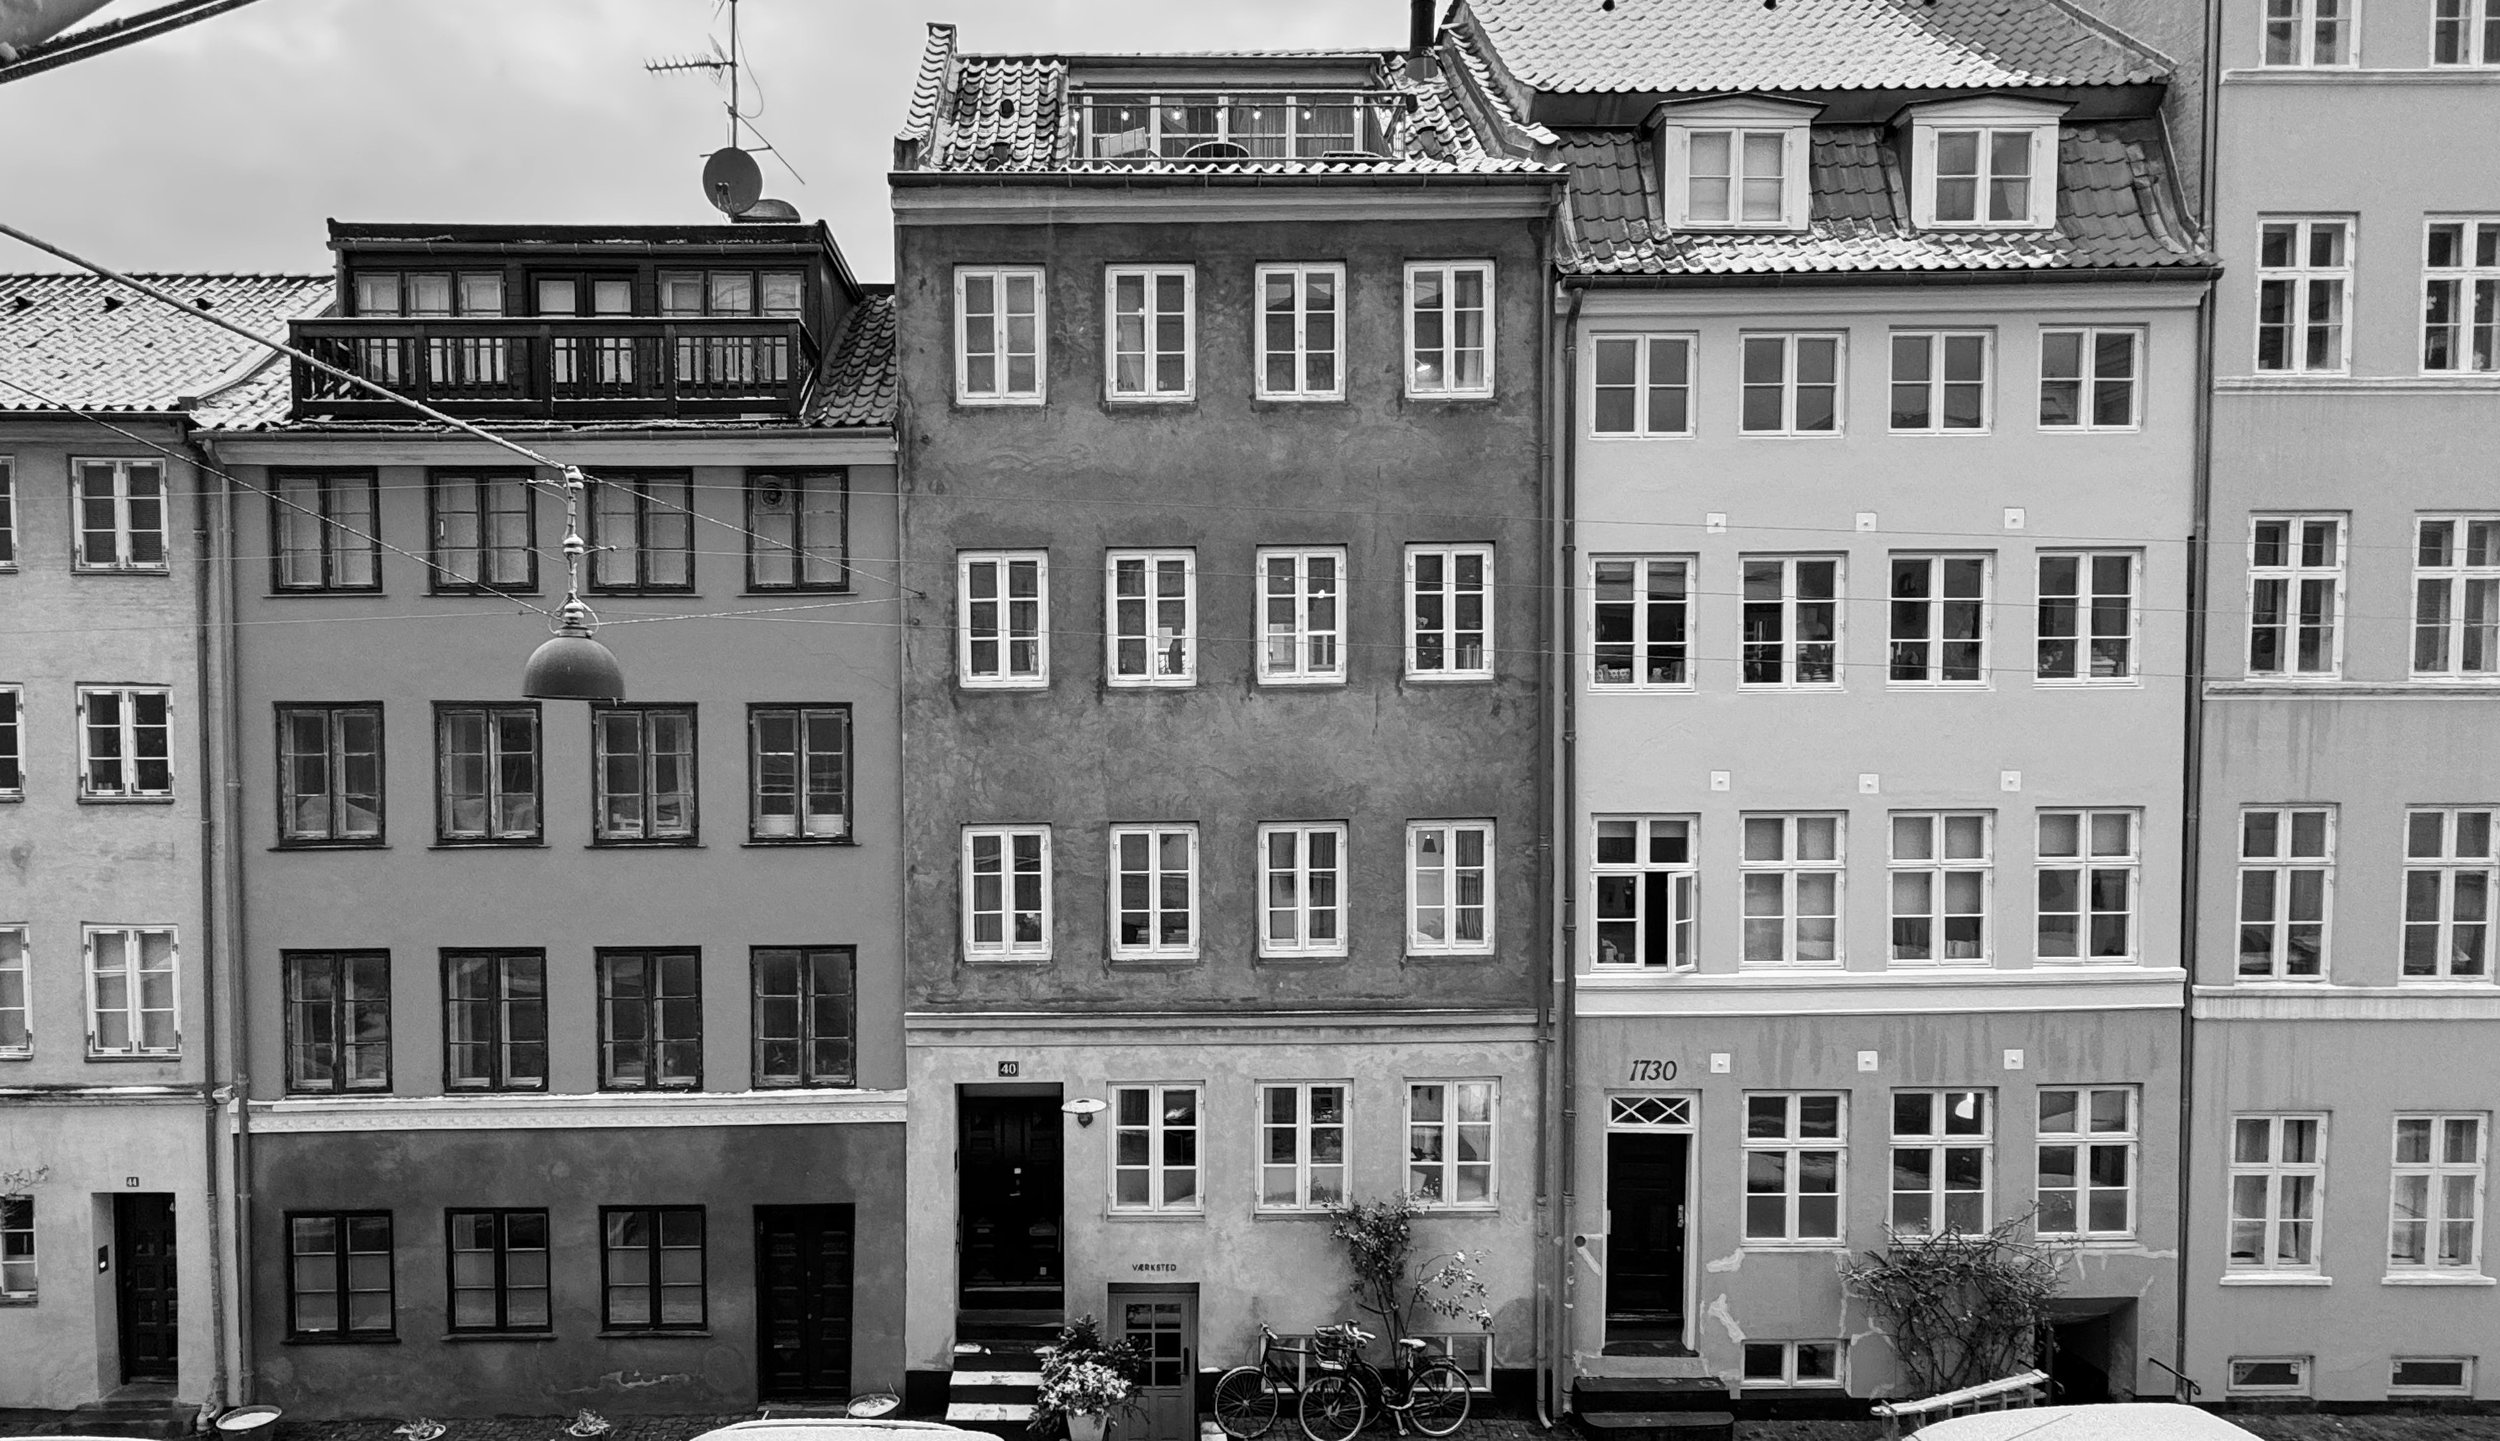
1006	885
1154	892
2278	1168
2456	598
17	1248
12	743
1449	888
2435	1217
650	1020
1302	909
1939	381
330	774
8	514
1792	877
998	335
494	1020
1152	630
1940	872
1985	177
499	1271
642	533
2086	872
1791	385
651	1263
1736	177
1154	1148
1301	332
2304	277
124	743
2461	283
799	772
2430	1376
1639	622
486	759
779	293
2268	1376
1791	620
392	292
2088	379
1792	1363
1449	611
1148	332
2451	874
1646	881
121	515
1302	616
1002	637
1941	1153
339	1275
806	1031
133	995
2295	595
323	531
1794	1145
2287	870
1449	329
2086	1155
2309	32
2087	620
1302	1129
338	1021
17	1029
2465	32
646	771
1641	385
798	530
1939	620
1449	1142
484	531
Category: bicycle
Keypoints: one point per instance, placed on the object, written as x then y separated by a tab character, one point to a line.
1427	1392
1247	1397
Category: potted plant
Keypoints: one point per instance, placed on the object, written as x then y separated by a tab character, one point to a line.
1083	1377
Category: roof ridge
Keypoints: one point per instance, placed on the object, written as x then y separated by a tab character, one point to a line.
2114	35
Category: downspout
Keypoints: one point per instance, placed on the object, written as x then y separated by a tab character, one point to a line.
1549	1249
238	1108
217	957
1565	985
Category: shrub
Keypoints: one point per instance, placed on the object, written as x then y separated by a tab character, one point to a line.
1379	1239
1959	1309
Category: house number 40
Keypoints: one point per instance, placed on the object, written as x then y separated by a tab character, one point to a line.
1653	1071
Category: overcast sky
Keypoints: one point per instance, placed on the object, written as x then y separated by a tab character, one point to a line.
224	146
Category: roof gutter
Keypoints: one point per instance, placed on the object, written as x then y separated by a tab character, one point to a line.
1166	180
1850	279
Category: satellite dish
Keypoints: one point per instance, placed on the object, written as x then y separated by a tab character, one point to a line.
732	182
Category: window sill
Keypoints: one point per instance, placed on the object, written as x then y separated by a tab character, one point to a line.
460	1337
2090	1243
331	846
452	1093
753	593
2050	682
133	572
1486	954
770	843
1792	1247
2046	429
1297	682
1449	397
1154	1216
1333	398
324	592
1170	961
26	1054
694	1089
1131	683
1958	432
1039	958
15	1300
1603	437
1281	1214
1817	687
360	1093
684	845
994	402
1626	687
1118	402
391	1340
844	1083
538	844
1789	435
10	798
85	800
670	1333
978	686
1445	677
483	592
2462	1278
1301	958
118	1057
1472	1208
664	592
2261	1278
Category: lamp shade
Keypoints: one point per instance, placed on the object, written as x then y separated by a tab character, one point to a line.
572	666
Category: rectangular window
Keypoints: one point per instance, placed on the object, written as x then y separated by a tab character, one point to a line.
1791	620
1449	888
799	771
2456	598
330	775
1002	636
1449	1142
325	531
17	1031
2278	1168
1303	909
125	749
2087	885
8	514
2461	279
650	1020
1792	871
2296	595
1941	864
646	769
2430	1375
1449	330
651	1264
486	759
2452	871
338	1021
1983	177
2309	32
12	743
494	1020
2304	275
1736	177
1939	382
1794	1148
1942	1158
1006	893
1154	1148
1792	385
2287	875
17	1249
1641	385
2465	32
2087	1162
2435	1223
1302	1130
133	992
1792	1363
805	1016
2087	619
999	335
641	533
1150	331
1302	616
2088	379
1301	332
485	530
1152	630
1646	884
2269	1375
1639	619
1154	892
1449	612
1939	620
499	1271
121	515
798	530
339	1275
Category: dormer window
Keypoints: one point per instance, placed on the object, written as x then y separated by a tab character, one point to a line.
1734	164
1984	165
1983	177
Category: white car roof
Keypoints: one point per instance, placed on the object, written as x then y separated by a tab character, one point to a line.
2161	1421
839	1428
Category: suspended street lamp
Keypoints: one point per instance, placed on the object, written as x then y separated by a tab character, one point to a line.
570	665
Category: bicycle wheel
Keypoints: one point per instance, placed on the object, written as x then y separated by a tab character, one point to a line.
1245	1403
1332	1409
1437	1401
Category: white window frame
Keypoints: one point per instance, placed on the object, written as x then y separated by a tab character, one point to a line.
1158	1140
2301	283
1790	872
1685	166
1737	117
1000	320
2084	861
1007	947
1449	1133
1935	611
1621	935
127	730
2293	577
1645	388
1790	1144
2451	866
1154	910
1151	353
2271	1216
120	563
1300	274
1448	876
2477	35
2084	1139
12	743
1297	877
2298	22
1939	870
2464	586
1936	1144
2091	381
2239	1367
2267	879
27	1261
2469	287
1449	349
1298	1135
1167	657
1790	1374
1788	385
1308	639
8	514
16	981
1667	618
2398	1388
134	1009
1003	635
2434	1171
2090	607
1985	126
1789	647
1934	348
1449	632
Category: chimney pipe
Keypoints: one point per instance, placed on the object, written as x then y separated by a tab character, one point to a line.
1422	26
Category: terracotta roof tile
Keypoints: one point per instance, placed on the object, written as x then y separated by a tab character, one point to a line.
98	345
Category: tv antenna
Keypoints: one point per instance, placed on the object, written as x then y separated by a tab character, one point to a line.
732	181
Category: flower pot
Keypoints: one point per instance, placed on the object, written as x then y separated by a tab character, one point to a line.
1086	1425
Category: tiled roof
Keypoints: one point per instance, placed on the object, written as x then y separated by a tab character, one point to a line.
858	385
98	345
1721	46
2115	209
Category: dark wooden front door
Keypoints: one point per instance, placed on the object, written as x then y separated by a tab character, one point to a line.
803	1300
1008	1174
1163	1326
1645	1239
143	1287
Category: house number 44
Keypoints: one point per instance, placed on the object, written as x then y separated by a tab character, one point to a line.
1653	1071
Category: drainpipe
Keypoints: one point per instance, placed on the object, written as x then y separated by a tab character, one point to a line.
216	959
228	881
1565	983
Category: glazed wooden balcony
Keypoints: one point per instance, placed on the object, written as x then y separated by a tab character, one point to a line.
606	368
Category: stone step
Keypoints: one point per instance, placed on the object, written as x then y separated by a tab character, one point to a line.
1658	1425
1602	1395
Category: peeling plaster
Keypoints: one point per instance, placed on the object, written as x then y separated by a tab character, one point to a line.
1726	1265
1717	1311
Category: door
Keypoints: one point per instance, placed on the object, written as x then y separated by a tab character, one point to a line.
1163	1326
143	1287
803	1301
1645	1243
1008	1176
